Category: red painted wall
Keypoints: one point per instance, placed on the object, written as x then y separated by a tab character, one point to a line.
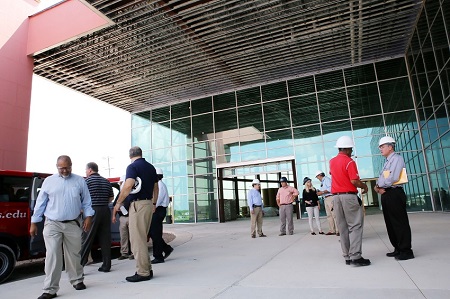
16	70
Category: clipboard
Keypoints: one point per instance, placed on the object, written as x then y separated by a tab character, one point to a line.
403	176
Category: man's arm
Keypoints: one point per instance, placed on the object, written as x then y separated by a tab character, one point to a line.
124	192
359	184
155	195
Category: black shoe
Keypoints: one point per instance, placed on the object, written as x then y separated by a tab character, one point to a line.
404	256
168	252
123	257
348	262
79	286
361	262
393	253
338	234
47	296
321	233
103	269
137	278
313	233
282	234
157	261
253	236
262	235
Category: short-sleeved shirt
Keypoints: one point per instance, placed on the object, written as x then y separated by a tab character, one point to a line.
285	194
100	189
343	169
147	173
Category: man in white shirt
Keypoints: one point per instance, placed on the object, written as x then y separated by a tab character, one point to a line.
156	228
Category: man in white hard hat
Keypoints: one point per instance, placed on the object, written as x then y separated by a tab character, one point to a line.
346	204
255	204
325	191
156	228
393	201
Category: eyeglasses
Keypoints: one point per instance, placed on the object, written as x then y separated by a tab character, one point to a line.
383	146
64	168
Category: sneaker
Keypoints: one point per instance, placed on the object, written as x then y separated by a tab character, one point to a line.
123	257
361	262
138	278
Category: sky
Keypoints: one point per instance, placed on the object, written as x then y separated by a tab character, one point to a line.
67	122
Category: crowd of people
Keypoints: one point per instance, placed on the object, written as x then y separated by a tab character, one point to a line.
76	212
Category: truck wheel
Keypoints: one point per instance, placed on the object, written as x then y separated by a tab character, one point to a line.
7	262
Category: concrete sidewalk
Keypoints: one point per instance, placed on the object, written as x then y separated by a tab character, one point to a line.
214	260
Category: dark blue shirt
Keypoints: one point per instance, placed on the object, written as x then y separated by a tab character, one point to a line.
147	172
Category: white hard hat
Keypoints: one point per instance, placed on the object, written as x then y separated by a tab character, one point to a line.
318	172
344	142
159	171
386	139
255	181
137	186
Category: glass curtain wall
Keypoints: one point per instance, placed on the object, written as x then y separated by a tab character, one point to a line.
428	58
301	117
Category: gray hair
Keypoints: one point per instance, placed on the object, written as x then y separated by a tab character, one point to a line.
64	158
135	151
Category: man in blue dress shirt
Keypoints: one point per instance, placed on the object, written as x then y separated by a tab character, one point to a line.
255	205
393	201
62	199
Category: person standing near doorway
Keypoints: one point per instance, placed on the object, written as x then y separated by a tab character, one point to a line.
346	203
312	204
325	191
285	197
393	201
101	194
255	204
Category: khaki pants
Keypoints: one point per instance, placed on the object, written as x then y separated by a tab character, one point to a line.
286	213
124	235
331	217
350	220
60	236
257	221
140	218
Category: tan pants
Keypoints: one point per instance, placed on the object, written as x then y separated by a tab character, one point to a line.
257	221
60	236
140	218
331	217
124	235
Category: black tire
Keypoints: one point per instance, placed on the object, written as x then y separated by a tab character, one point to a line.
7	262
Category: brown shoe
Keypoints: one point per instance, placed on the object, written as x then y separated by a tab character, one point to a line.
329	234
338	234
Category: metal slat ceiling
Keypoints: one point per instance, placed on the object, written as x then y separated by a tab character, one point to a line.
163	52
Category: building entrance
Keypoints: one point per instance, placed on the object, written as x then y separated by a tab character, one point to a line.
234	181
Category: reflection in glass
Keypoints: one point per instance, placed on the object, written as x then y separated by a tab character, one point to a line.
364	100
301	86
391	68
274	91
276	115
181	110
140	119
181	131
334	130
365	168
162	130
141	137
329	80
251	116
224	101
203	127
225	120
280	152
161	114
360	74
161	155
333	105
304	110
396	95
367	126
307	134
248	96
201	106
308	153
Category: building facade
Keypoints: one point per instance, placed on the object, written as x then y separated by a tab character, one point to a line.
211	148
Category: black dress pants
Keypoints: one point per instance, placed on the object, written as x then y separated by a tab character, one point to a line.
156	233
393	202
100	230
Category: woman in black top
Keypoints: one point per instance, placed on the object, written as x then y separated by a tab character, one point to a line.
311	201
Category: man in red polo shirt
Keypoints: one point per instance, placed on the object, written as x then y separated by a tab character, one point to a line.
347	205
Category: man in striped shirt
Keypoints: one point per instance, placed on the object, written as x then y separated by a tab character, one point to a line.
101	195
